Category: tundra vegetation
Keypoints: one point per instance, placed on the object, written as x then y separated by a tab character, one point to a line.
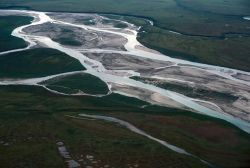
35	123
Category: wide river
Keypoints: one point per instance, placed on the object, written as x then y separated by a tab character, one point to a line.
97	69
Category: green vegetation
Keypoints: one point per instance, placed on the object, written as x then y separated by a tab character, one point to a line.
72	84
41	122
170	14
231	51
228	7
37	63
8	24
33	119
203	138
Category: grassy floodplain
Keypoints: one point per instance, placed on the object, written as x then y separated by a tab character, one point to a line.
33	117
233	7
37	62
166	13
230	50
78	82
8	24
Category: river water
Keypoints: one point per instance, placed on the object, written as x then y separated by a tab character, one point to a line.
97	69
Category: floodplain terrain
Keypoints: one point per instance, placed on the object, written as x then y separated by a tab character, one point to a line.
201	31
8	24
34	120
83	92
